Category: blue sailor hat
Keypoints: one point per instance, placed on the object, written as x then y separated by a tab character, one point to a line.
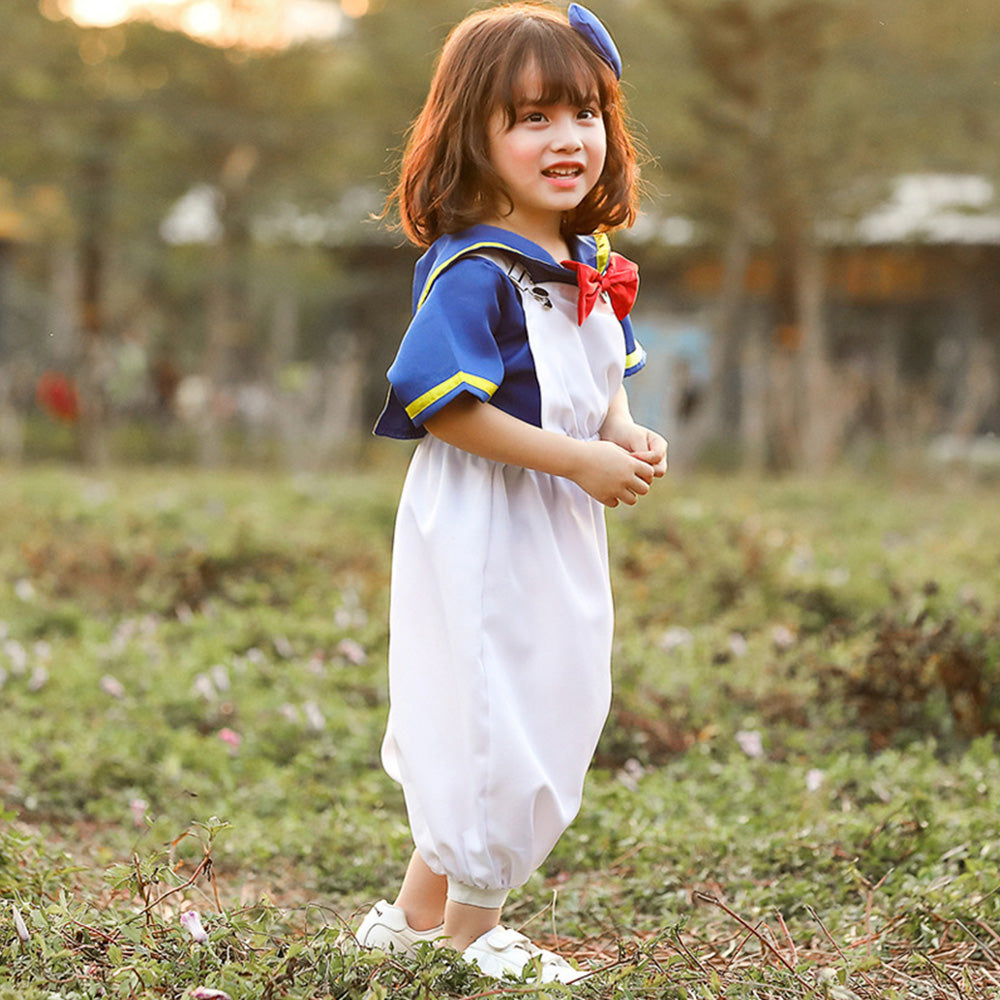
599	38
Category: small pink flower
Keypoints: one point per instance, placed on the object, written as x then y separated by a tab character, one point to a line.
17	655
738	645
750	743
191	922
138	807
112	686
675	637
783	638
20	926
219	677
814	779
204	688
352	651
204	993
631	773
231	737
314	717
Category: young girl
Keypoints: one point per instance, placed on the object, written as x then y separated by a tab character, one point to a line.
501	614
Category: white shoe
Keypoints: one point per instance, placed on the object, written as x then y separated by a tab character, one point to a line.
385	927
503	950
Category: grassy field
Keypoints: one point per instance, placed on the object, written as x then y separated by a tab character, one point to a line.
797	793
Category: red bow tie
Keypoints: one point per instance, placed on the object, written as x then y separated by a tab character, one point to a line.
620	280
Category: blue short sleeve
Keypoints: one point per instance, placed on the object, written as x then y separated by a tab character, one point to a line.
635	355
449	348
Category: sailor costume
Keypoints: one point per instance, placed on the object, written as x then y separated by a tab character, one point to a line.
501	613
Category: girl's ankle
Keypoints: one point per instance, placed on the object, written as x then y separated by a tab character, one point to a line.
460	940
464	924
419	919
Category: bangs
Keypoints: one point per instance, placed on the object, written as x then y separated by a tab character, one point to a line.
540	69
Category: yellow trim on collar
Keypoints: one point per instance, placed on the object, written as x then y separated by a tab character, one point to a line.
603	251
600	239
442	389
433	276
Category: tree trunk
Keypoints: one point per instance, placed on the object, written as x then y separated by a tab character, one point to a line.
724	386
93	357
754	395
11	433
227	268
63	296
216	358
823	417
11	430
976	388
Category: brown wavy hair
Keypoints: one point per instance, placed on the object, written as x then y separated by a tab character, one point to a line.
447	181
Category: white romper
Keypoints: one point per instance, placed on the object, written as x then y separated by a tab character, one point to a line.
501	623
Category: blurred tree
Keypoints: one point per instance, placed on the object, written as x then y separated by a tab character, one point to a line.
763	166
792	113
124	120
265	134
393	51
763	118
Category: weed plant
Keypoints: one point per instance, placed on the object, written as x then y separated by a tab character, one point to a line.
796	794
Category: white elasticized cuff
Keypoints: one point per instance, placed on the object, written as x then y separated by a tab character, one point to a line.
487	899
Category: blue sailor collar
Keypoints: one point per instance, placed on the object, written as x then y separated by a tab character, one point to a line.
593	250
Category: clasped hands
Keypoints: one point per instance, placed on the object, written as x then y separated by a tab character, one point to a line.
623	463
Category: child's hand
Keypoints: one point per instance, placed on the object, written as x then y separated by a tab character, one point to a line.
654	451
642	443
611	475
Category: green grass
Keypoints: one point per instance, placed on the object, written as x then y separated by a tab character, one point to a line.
796	794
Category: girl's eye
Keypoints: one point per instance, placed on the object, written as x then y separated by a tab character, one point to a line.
588	114
534	116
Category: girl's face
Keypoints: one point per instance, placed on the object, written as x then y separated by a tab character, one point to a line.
549	159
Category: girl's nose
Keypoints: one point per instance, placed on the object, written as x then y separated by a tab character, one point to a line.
567	136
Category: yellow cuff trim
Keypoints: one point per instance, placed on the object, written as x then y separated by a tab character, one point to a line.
634	358
442	389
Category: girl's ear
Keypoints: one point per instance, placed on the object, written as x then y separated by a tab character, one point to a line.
598	37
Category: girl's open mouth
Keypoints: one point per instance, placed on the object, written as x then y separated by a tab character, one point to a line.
563	172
